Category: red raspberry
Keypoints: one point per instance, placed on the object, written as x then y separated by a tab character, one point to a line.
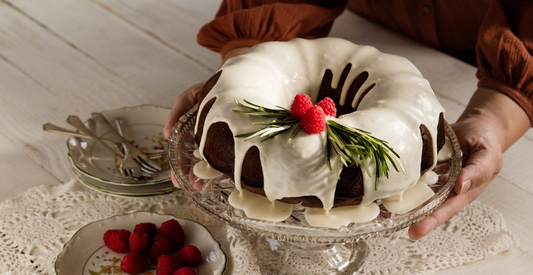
299	106
139	242
160	245
167	264
133	263
173	230
185	271
146	227
117	240
191	255
314	120
328	106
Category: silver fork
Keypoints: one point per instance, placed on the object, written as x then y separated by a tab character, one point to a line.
136	153
78	124
52	128
128	168
118	123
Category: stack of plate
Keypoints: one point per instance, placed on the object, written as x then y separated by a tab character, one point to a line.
95	166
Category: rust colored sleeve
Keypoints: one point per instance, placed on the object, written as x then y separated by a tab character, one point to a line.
244	23
505	49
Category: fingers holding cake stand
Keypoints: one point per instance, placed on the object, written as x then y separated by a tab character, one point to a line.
293	245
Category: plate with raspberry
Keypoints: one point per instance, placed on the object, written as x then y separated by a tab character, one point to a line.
142	243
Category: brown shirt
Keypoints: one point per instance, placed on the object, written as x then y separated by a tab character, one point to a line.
495	35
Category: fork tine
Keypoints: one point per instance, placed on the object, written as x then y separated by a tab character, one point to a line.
147	171
125	173
137	172
137	154
146	165
142	159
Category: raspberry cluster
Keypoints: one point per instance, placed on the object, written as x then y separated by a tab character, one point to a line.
149	245
312	117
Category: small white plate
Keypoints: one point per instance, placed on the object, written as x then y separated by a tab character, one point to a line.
86	253
143	126
124	190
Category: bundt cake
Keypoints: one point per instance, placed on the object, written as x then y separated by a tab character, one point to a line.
380	93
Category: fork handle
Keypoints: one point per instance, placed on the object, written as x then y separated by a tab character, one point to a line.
52	128
102	120
78	124
118	122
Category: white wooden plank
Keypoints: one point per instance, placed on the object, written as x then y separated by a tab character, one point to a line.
26	150
518	164
144	63
59	68
174	23
18	172
43	80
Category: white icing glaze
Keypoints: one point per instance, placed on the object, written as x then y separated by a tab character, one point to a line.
197	154
259	207
413	196
204	171
340	216
272	73
446	152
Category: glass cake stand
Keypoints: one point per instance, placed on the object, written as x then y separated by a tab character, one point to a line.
294	243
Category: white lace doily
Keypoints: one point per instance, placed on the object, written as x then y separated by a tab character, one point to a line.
35	226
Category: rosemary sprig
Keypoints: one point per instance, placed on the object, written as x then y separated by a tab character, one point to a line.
281	122
350	144
257	110
356	145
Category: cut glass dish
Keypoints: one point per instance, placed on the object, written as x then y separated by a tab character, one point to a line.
342	250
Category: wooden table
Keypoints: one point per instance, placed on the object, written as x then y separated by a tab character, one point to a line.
63	57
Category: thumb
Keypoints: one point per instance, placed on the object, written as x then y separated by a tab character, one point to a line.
481	166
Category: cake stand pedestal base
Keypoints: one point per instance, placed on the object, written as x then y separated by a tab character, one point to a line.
279	257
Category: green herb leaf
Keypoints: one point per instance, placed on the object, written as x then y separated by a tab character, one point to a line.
347	141
281	122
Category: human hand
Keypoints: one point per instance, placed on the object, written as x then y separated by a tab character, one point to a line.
490	124
183	103
482	161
